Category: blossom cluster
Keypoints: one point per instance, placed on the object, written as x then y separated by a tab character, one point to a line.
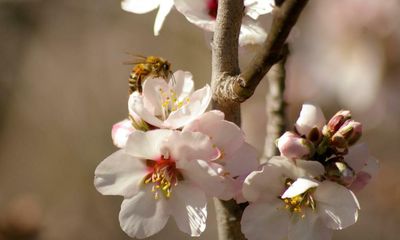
203	13
173	155
308	191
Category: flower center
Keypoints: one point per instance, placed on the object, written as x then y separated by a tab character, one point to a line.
298	203
163	175
212	7
170	102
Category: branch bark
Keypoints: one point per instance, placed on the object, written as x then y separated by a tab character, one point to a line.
242	87
275	106
230	88
225	68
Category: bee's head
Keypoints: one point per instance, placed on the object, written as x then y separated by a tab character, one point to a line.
166	66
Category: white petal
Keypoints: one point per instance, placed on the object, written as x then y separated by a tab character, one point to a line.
357	157
182	83
189	208
299	186
119	174
310	116
255	8
309	227
196	12
147	145
163	11
198	104
140	6
142	216
298	168
136	106
201	124
207	176
120	132
251	33
242	161
153	88
262	221
266	184
336	205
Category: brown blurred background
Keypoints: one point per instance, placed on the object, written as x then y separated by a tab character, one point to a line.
63	85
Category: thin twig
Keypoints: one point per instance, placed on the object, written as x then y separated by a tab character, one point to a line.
275	106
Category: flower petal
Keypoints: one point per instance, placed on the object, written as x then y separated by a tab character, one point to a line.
147	145
357	157
163	11
265	221
196	12
299	186
309	227
310	116
142	216
137	107
266	184
188	207
187	146
207	176
182	83
242	161
251	33
153	89
140	6
120	132
255	8
119	174
197	105
337	206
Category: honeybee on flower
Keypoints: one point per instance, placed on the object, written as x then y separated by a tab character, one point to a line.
146	67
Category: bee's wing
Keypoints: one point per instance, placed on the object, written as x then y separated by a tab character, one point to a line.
138	59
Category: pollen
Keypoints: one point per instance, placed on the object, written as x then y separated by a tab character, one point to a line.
299	203
163	175
170	102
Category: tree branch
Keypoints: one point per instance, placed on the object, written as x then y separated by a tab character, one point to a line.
275	106
225	68
241	88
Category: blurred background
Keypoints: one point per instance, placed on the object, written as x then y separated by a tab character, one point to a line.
63	84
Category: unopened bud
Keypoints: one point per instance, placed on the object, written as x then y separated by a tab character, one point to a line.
338	120
337	170
351	131
293	146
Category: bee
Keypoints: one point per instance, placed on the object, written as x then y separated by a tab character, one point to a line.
145	67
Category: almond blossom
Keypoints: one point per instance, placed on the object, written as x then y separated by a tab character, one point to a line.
145	6
162	173
170	105
203	14
121	131
286	201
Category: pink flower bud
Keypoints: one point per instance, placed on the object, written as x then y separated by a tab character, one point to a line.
121	131
293	146
337	120
350	130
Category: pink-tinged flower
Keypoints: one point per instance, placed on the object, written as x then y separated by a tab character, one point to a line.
145	6
203	13
363	164
237	156
170	105
291	145
162	173
311	117
286	202
121	131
